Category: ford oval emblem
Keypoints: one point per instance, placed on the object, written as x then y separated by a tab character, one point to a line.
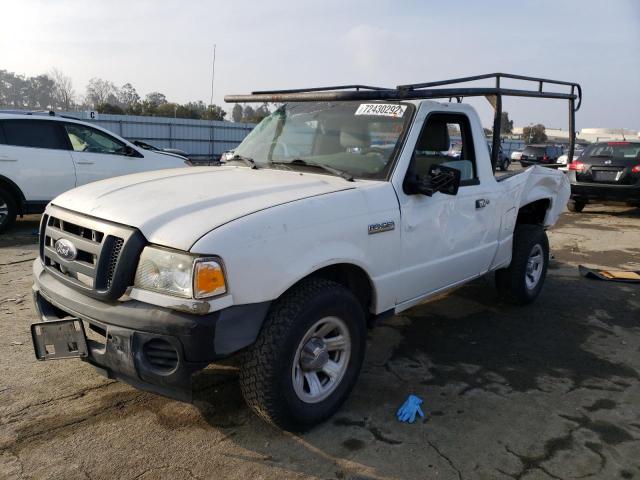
66	250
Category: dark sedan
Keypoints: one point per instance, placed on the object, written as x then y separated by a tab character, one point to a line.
606	171
540	155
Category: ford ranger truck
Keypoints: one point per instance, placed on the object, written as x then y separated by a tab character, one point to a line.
329	215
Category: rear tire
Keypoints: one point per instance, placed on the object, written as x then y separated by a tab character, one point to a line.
8	210
274	378
575	206
522	281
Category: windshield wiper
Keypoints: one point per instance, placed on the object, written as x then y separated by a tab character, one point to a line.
602	155
248	160
307	163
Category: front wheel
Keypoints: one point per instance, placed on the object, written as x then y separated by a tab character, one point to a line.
307	357
522	281
8	210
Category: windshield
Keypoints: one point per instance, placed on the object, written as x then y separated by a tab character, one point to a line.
621	150
357	138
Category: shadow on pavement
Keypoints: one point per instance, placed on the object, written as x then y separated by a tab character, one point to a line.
473	343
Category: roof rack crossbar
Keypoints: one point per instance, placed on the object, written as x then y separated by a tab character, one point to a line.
319	89
390	94
497	76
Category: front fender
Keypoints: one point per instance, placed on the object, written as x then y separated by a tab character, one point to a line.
269	251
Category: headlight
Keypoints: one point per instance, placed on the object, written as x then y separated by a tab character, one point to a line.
179	274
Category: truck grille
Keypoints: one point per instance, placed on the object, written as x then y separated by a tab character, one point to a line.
86	253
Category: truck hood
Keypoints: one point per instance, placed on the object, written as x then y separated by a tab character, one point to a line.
176	207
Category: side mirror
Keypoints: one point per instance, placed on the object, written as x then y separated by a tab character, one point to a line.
439	179
131	152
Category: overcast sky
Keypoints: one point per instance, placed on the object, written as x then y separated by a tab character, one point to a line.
167	46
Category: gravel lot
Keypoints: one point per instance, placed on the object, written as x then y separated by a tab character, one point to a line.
547	391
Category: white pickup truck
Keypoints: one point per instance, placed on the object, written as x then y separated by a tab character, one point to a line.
330	215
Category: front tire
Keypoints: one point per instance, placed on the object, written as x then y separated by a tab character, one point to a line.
308	355
575	206
8	210
522	281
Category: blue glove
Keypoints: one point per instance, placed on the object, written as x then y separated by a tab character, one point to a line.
407	412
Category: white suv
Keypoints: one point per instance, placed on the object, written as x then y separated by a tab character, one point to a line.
43	155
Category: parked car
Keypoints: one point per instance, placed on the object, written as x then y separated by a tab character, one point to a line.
562	159
42	156
173	151
226	155
283	255
515	156
503	159
540	155
606	171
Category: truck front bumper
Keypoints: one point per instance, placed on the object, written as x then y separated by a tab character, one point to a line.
152	348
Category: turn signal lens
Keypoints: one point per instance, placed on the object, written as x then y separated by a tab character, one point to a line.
577	166
636	169
208	279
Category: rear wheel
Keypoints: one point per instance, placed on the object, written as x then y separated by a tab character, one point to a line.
522	281
8	210
575	206
307	357
504	166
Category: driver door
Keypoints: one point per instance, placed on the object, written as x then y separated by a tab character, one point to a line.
446	239
97	155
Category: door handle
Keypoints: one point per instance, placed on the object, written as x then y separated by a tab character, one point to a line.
85	163
4	158
482	202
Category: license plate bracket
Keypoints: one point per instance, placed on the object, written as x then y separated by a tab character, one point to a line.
59	339
606	176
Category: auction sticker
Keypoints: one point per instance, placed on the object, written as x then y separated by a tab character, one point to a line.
381	109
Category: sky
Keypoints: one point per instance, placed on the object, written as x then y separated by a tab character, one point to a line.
167	46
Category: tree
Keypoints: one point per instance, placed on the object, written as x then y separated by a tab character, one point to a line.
261	112
506	125
100	91
236	113
248	113
39	91
128	97
214	112
155	99
251	115
534	134
109	108
63	92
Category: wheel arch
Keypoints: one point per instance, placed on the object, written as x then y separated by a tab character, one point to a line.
9	185
353	277
534	213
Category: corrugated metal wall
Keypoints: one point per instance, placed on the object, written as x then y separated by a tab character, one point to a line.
201	139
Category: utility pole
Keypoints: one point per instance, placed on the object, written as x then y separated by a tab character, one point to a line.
213	72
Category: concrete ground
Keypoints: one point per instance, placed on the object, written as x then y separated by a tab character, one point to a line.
551	390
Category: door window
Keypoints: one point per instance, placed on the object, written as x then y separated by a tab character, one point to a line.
33	133
87	139
446	140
